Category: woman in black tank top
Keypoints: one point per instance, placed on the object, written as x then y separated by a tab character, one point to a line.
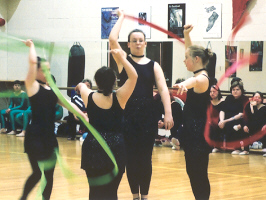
40	141
141	125
197	87
105	111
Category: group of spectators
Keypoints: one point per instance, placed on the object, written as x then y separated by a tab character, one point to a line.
17	116
233	118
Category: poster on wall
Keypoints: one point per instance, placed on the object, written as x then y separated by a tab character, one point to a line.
144	13
212	20
108	20
230	57
176	19
256	49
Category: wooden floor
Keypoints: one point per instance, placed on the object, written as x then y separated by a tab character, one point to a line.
231	177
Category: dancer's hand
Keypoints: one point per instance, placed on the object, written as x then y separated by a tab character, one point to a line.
187	28
168	121
181	88
28	42
120	13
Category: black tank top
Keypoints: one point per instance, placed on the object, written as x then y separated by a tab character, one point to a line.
198	102
146	79
43	108
105	120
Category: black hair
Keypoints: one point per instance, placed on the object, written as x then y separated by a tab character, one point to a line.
239	83
179	80
235	79
39	60
136	31
105	79
17	82
261	95
217	89
88	81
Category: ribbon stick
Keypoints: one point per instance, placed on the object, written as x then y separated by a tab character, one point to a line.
155	27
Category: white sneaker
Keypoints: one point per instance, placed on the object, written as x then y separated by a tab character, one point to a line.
175	142
244	153
215	150
176	147
11	133
255	145
264	155
235	152
260	145
22	134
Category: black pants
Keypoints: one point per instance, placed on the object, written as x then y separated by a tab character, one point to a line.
105	192
34	178
197	170
139	165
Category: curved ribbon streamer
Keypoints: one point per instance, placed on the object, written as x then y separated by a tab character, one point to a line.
101	180
237	143
156	27
13	43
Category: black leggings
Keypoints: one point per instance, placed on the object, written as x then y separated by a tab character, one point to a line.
197	170
34	178
105	192
139	164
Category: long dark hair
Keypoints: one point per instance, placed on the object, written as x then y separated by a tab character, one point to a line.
105	79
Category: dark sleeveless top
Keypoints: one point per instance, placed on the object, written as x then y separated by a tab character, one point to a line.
194	122
40	139
108	123
146	79
140	111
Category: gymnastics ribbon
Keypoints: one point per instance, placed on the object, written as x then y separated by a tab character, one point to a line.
237	143
13	43
155	27
95	181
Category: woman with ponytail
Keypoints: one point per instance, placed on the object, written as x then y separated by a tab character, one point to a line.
105	110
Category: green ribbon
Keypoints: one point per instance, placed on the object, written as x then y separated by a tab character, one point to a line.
12	43
100	180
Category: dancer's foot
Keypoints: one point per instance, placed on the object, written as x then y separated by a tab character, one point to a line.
211	21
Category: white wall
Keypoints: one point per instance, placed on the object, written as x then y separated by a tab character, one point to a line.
67	21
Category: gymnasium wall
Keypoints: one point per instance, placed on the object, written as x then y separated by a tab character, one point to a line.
67	21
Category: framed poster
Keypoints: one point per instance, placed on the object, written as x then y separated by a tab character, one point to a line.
108	20
176	19
212	20
143	13
230	57
256	49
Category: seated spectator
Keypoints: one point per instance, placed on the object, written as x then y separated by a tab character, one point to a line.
72	121
23	120
215	107
174	137
231	116
17	103
257	120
